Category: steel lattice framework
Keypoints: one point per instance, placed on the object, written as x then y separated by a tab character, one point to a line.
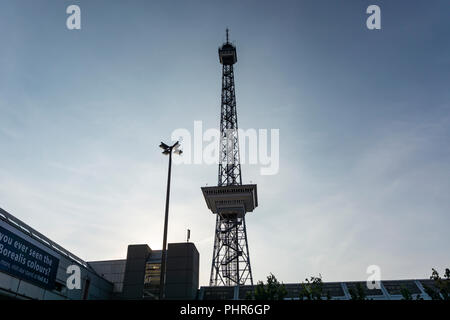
231	260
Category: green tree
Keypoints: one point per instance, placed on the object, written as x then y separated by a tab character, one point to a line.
249	295
442	285
313	289
357	293
405	293
273	290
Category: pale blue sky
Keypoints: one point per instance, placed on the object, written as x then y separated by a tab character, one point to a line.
364	119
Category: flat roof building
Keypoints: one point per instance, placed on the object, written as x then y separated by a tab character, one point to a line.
34	267
138	276
389	290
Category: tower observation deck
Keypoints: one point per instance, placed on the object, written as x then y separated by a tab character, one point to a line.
230	200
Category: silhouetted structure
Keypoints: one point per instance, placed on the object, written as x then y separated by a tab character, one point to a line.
230	200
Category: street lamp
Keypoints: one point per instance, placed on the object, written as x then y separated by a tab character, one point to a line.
166	151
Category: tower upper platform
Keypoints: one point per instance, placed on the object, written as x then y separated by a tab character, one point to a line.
227	53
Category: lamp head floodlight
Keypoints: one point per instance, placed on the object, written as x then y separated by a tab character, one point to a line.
163	146
167	150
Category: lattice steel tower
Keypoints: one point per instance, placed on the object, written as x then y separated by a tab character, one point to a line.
230	200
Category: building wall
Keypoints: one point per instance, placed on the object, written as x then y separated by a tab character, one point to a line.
182	271
133	283
111	270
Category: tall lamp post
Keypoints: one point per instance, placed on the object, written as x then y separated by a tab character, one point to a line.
167	150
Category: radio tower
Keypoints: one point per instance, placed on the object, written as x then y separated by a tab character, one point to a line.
230	200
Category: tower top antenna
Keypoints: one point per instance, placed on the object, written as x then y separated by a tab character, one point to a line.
227	52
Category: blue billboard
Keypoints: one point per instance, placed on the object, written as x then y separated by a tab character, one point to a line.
26	261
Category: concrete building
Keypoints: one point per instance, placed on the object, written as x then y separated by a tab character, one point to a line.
34	267
389	290
137	276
